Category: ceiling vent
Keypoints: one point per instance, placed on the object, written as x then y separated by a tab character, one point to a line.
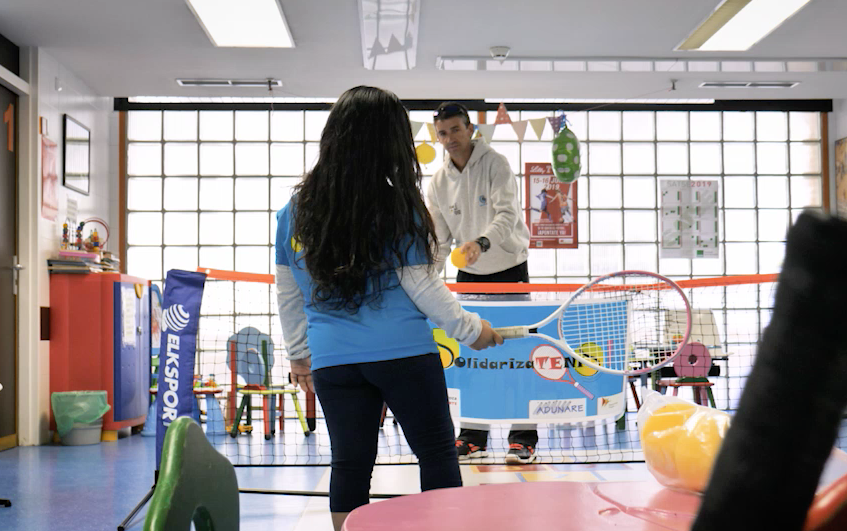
749	84
238	83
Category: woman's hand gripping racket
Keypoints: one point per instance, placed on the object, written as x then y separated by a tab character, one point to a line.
627	312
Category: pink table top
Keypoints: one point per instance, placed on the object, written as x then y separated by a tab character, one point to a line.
565	506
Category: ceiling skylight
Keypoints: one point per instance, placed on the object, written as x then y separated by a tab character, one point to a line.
243	23
736	25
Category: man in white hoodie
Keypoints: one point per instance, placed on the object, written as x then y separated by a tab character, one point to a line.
473	199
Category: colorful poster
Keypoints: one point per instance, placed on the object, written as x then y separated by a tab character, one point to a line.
841	177
689	218
551	208
532	380
49	180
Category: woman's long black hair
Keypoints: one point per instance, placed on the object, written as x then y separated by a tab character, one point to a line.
360	210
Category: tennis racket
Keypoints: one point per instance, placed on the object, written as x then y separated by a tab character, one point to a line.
549	363
635	316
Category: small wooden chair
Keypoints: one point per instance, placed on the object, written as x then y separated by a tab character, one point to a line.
268	393
691	367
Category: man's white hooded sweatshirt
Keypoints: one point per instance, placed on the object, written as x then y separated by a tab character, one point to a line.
481	200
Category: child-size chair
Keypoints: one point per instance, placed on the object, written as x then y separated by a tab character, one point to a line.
251	356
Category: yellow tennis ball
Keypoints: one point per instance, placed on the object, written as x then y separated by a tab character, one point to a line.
659	437
696	451
448	348
458	258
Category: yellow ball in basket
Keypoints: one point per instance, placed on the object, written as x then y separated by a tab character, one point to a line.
696	451
659	436
458	258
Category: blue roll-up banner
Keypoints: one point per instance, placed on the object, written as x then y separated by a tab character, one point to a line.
530	381
180	321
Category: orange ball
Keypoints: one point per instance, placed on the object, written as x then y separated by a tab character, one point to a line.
458	258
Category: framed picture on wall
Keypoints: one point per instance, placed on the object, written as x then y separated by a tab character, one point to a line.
76	153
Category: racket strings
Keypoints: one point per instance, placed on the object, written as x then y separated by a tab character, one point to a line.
628	323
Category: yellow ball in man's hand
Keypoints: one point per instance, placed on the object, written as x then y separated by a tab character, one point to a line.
458	258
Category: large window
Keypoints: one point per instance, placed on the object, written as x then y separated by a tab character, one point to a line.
204	185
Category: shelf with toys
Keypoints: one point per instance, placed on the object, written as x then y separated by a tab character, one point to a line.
84	255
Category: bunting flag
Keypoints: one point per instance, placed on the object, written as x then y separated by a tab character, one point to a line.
376	49
502	116
556	122
520	129
394	45
487	131
416	126
432	136
538	126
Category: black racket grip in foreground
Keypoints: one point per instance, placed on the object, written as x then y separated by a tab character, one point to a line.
767	471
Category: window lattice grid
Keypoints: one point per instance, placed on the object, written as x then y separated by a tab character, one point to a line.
204	185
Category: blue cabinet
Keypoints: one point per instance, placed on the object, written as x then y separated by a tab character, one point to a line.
132	350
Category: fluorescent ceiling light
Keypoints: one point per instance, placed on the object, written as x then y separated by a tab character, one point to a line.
389	33
749	84
228	99
626	101
736	25
243	83
243	24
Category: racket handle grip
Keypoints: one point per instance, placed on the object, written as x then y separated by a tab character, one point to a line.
513	332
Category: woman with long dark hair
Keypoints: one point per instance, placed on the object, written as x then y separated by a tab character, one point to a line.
356	284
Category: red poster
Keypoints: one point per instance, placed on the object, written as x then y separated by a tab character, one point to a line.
49	180
551	208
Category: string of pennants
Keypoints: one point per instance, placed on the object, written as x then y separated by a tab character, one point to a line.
487	130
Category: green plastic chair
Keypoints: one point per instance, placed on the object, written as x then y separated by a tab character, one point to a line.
196	483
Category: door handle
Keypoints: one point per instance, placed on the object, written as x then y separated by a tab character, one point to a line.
16	269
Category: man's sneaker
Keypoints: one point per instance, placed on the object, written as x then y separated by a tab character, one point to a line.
468	450
520	454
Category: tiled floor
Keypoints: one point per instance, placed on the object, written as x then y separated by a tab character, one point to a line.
82	488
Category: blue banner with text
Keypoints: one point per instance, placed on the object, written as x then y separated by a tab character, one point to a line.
180	320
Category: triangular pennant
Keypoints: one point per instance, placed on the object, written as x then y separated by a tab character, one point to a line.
520	129
376	49
538	126
487	131
416	126
431	129
557	122
394	45
502	116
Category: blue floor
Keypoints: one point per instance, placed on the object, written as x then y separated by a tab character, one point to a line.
81	488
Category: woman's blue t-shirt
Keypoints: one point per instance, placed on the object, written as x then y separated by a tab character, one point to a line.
394	328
